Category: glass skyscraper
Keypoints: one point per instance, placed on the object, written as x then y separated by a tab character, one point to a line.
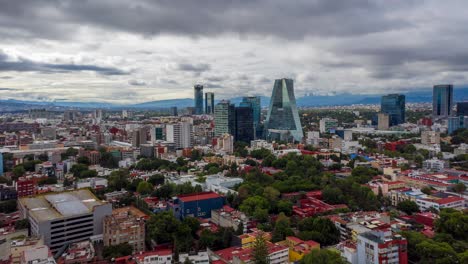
394	106
209	103
254	103
198	99
244	124
283	117
462	109
442	100
224	118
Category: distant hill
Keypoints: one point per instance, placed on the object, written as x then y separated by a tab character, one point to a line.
420	96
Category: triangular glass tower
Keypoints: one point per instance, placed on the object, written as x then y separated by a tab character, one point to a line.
283	117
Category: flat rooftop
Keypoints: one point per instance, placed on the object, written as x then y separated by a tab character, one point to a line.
53	206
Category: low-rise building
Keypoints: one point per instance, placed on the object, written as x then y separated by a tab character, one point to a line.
199	258
66	217
381	246
197	204
125	225
298	248
229	217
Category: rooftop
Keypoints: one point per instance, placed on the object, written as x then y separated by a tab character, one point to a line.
60	205
198	196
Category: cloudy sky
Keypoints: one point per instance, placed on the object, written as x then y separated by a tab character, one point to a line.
141	50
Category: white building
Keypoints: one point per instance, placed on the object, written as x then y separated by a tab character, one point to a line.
438	204
199	258
181	134
65	217
220	184
91	183
327	123
225	144
435	164
260	143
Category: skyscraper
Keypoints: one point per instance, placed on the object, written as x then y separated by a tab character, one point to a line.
244	124
254	103
224	118
394	106
462	109
198	99
209	103
181	134
283	117
442	100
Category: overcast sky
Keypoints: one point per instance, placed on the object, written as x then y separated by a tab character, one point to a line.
142	50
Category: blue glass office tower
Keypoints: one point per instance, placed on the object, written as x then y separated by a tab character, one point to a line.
254	103
209	103
244	124
442	101
394	106
462	109
283	117
224	118
198	99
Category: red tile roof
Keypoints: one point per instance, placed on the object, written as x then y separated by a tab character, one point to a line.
198	196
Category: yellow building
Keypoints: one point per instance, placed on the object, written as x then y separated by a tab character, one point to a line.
299	248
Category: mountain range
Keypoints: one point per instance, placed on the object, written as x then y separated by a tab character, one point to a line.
420	96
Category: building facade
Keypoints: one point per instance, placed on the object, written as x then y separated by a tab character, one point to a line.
224	118
442	101
244	124
381	246
125	225
282	114
394	106
62	218
198	89
209	103
181	134
462	109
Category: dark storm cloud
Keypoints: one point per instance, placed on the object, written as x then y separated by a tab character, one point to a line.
55	18
198	68
26	65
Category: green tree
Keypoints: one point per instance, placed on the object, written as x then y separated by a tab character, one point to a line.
319	229
271	194
83	160
18	171
453	222
88	174
285	206
459	188
8	206
252	203
22	224
409	207
156	179
260	250
77	169
163	226
118	179
323	256
435	252
193	223
144	187
282	228
116	251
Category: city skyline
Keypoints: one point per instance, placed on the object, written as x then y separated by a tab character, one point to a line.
66	51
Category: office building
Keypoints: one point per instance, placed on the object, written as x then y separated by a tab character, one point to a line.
383	121
156	133
62	218
442	101
224	118
328	125
381	246
181	134
209	103
462	109
255	103
394	106
125	225
454	123
173	111
198	89
283	117
244	124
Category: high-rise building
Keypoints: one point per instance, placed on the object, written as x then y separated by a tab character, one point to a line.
224	118
1	164
209	103
283	117
63	218
454	123
198	99
181	134
173	111
462	109
442	100
383	121
394	106
157	133
244	124
255	104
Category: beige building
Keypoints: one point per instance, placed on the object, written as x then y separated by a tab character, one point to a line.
430	137
383	121
125	225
